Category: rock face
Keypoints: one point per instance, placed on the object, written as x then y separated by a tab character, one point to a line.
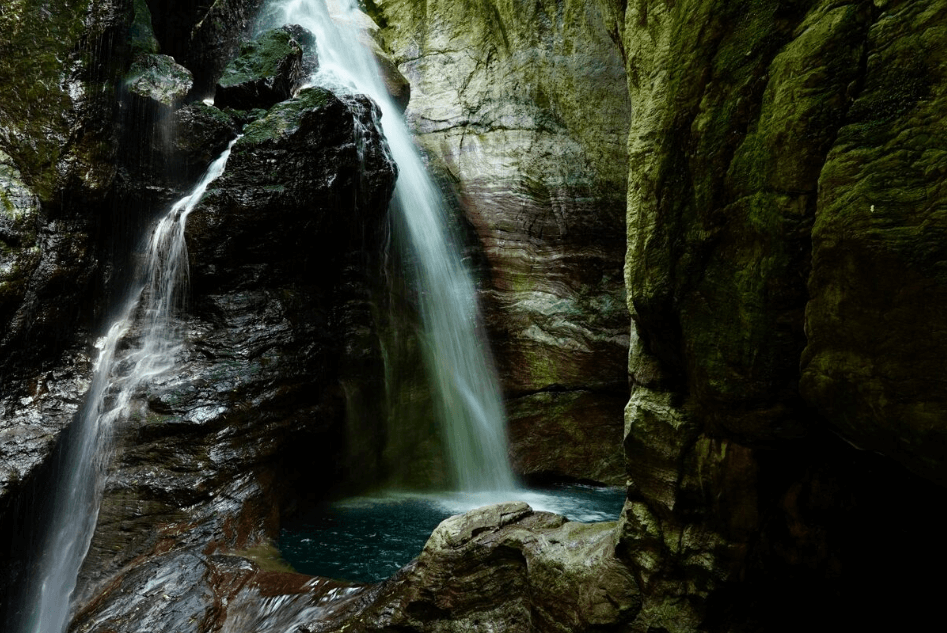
58	69
782	212
517	107
875	359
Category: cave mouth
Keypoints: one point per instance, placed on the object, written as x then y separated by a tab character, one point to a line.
367	539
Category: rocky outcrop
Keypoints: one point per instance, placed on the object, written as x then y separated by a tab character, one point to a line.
505	567
517	107
268	70
216	446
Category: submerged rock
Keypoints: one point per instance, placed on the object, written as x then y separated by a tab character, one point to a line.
268	70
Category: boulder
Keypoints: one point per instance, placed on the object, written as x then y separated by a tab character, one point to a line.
160	80
268	70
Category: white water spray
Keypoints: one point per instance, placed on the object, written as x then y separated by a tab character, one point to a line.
116	377
459	365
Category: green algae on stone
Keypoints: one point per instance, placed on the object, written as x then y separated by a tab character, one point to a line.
141	34
267	71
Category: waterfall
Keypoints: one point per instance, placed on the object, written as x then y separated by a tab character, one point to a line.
458	362
147	316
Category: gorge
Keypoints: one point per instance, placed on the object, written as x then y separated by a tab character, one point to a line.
707	237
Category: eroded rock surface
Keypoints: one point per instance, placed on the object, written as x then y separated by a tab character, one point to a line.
518	109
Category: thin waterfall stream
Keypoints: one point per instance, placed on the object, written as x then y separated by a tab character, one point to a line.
147	314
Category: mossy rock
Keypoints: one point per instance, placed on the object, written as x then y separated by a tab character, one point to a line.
267	71
158	78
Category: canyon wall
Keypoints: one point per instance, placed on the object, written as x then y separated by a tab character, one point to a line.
785	279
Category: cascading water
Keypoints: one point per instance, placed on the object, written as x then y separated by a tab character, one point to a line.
75	504
466	390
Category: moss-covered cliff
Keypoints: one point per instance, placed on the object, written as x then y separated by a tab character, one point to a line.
784	274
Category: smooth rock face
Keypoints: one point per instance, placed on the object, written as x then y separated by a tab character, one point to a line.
519	110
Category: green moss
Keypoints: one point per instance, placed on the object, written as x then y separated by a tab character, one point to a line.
283	119
142	34
260	58
40	41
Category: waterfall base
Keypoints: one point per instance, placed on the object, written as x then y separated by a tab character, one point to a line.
367	539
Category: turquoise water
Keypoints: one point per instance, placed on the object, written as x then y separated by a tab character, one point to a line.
367	539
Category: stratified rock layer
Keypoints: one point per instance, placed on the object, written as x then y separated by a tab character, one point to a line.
521	109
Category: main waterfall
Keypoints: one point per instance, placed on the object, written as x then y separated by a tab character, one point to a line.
147	318
466	390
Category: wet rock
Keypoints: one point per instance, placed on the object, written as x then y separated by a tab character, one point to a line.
505	567
201	133
160	80
567	434
202	36
214	448
268	70
307	41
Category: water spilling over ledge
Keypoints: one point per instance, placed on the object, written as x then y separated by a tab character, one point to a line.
147	317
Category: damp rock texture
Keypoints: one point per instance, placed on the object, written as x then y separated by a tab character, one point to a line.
58	70
267	70
785	275
521	111
254	405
